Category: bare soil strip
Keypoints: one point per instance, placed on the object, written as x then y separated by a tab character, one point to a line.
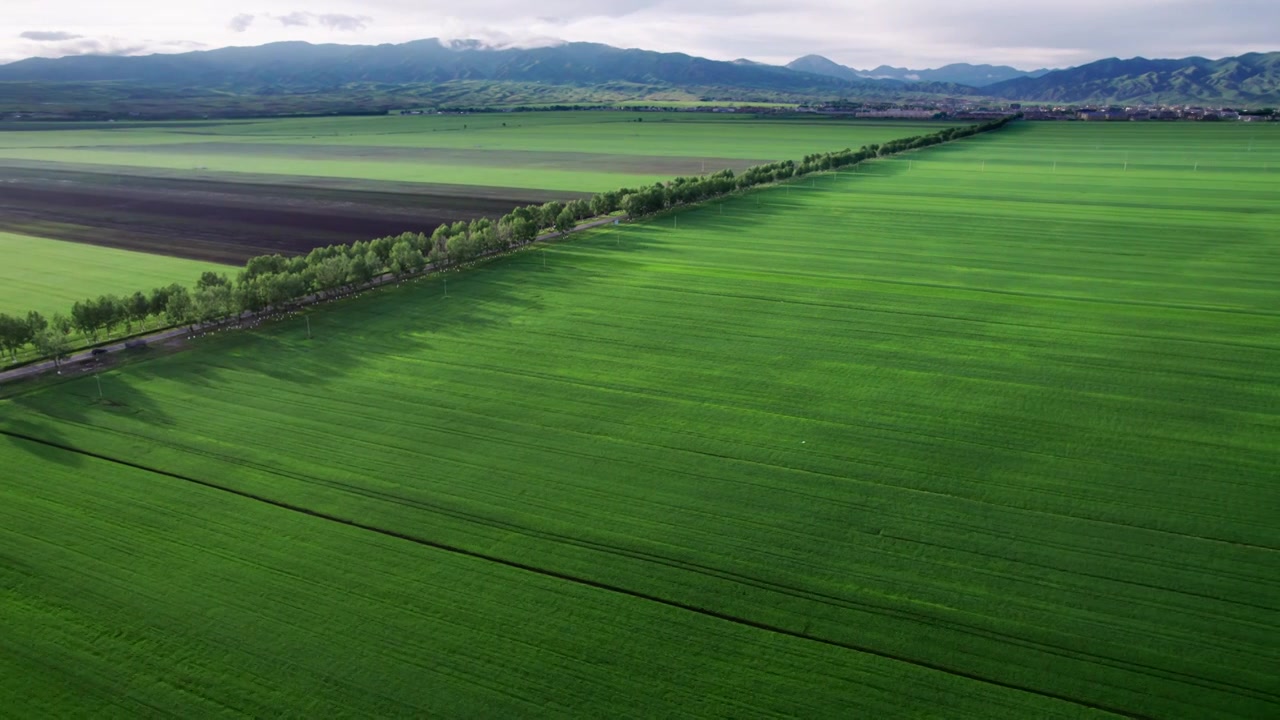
593	162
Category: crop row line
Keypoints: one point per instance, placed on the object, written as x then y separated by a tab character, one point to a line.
595	584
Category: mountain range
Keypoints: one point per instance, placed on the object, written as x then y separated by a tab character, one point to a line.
586	70
307	67
977	76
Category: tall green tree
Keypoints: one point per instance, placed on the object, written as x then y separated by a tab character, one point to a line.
249	294
108	312
13	334
213	302
548	214
179	309
331	273
565	221
209	279
138	308
158	301
61	323
36	323
406	259
53	345
358	270
265	265
605	203
84	317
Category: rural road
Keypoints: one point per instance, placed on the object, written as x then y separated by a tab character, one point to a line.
45	366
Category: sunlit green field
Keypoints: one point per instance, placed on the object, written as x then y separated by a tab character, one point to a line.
48	275
586	151
961	434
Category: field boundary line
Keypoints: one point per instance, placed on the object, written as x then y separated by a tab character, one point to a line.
586	582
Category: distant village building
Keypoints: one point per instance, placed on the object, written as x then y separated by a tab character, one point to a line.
900	114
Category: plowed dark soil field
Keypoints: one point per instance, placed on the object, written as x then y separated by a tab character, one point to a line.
221	221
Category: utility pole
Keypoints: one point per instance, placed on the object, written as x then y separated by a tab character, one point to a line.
99	379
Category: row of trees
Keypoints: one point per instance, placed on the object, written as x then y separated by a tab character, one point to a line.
688	190
92	318
274	281
34	329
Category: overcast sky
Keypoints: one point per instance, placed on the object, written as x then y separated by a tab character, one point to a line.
859	33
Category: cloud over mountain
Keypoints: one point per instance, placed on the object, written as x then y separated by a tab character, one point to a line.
49	35
332	21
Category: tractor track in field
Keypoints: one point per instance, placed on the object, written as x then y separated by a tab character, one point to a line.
578	580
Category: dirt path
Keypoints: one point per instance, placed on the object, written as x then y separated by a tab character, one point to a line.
47	366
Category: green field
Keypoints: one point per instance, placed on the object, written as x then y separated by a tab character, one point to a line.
583	151
964	434
49	275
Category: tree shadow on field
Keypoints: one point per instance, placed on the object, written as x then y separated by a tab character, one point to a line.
325	343
402	320
96	398
612	248
36	450
78	399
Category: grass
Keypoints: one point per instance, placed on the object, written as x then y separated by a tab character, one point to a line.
927	439
315	619
324	147
49	275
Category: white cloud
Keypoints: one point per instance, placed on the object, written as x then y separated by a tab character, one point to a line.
295	19
49	35
333	21
347	23
241	22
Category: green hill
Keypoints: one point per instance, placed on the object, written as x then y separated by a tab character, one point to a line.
1250	79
